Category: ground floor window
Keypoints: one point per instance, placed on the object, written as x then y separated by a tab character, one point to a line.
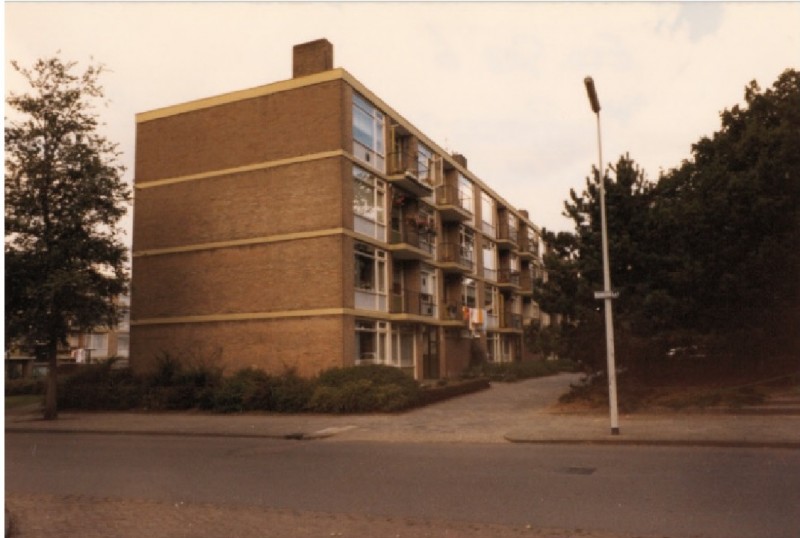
403	346
499	347
371	342
123	345
380	342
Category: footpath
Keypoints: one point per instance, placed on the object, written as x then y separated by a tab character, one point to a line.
522	412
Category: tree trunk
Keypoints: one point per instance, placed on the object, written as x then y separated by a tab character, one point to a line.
50	396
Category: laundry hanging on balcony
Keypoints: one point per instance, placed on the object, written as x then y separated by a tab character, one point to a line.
476	318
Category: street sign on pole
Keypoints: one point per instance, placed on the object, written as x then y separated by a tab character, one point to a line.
606	294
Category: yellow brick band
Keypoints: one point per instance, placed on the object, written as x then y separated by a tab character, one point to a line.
249	241
286	314
241	169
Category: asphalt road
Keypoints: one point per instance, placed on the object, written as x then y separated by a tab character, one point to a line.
674	492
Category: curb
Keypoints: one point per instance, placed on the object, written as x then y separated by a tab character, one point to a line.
299	436
700	443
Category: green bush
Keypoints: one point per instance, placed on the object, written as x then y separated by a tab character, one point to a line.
361	396
514	371
364	389
100	387
19	387
379	374
292	394
174	386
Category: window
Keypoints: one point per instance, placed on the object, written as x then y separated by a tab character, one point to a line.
533	241
368	136
98	344
493	347
425	169
370	278
489	260
490	303
469	293
370	342
369	204
466	240
512	227
427	296
487	215
465	193
123	345
426	226
402	346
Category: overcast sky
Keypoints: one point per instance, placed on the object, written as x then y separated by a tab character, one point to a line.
501	83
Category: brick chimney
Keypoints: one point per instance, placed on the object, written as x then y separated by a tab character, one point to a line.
312	57
460	159
524	213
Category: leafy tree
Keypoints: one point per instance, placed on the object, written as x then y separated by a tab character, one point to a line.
711	252
65	263
737	203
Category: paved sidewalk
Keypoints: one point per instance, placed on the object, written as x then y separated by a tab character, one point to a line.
518	412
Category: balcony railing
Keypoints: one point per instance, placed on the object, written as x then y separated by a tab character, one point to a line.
414	302
455	253
526	281
457	207
507	276
511	320
454	311
402	169
411	235
506	235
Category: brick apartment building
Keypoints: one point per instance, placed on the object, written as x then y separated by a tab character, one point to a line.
307	224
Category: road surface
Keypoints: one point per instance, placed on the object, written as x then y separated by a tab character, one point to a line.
621	491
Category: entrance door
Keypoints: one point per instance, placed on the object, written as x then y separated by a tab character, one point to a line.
430	353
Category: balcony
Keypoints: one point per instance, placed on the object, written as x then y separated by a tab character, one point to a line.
508	279
455	258
454	312
414	303
506	237
410	243
526	283
402	172
524	246
451	204
511	320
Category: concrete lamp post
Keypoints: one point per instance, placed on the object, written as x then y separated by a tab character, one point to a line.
607	295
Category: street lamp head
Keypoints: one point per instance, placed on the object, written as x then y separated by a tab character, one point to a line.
592	94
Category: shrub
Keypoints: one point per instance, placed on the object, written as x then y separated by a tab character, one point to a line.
19	387
100	387
514	371
361	396
379	374
292	393
363	389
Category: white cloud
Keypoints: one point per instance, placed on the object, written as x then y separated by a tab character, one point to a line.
500	82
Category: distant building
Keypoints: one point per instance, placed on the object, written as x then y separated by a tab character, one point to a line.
307	224
98	345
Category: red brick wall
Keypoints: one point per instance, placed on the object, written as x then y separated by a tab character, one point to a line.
306	344
271	127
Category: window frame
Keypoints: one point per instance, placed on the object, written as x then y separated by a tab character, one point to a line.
374	297
371	148
488	208
370	220
380	330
